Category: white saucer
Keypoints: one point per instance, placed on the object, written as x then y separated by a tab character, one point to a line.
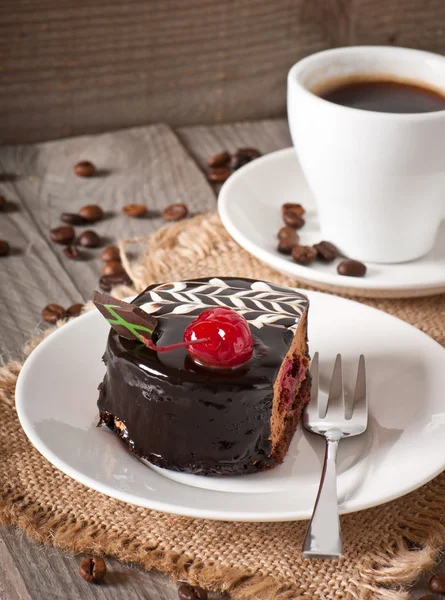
403	448
249	205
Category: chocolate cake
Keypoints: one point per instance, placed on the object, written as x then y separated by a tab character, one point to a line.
183	415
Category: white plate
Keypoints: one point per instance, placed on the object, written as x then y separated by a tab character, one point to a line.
249	205
403	448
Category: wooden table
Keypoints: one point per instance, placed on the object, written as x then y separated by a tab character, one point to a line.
154	165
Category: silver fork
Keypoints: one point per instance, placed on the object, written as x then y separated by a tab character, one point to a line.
323	537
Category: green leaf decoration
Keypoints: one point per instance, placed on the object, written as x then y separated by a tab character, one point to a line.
129	321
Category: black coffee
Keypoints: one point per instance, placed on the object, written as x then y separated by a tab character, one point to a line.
385	96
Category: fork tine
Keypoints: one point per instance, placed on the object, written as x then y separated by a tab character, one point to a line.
312	407
314	377
360	409
336	401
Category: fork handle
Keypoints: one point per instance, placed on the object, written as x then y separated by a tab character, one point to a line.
323	537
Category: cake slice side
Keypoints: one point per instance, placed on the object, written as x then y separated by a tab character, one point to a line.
291	392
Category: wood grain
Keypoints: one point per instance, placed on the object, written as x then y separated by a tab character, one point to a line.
74	67
12	583
30	571
146	165
204	141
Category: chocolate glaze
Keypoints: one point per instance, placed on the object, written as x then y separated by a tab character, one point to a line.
182	416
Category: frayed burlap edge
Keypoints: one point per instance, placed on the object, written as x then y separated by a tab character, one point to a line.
384	575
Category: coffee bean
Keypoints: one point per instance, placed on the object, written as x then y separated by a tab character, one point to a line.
351	268
91	213
304	255
186	592
72	252
74	310
284	248
295	208
287	239
239	160
85	168
5	248
326	251
219	160
2	202
293	218
135	210
73	219
110	253
175	212
107	282
288	233
89	239
93	569
113	267
437	583
251	152
219	175
52	313
62	235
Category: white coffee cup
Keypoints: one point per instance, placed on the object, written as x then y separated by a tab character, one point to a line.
378	178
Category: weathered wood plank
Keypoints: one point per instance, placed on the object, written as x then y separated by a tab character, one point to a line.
31	571
204	141
75	67
30	276
12	584
146	165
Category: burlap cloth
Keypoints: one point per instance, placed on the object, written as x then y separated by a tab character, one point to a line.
385	548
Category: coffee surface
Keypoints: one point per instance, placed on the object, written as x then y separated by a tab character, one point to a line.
385	96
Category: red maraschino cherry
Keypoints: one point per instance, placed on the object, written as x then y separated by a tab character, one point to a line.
219	337
230	341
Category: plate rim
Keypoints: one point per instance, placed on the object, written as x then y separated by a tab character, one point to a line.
306	275
194	512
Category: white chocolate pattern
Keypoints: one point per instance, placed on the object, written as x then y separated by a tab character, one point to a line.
260	303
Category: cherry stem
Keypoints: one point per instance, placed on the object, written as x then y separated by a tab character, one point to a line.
153	346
